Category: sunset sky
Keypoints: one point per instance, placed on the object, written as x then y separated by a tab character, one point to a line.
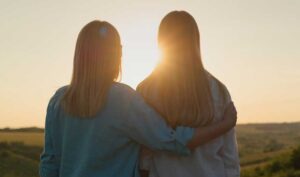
252	46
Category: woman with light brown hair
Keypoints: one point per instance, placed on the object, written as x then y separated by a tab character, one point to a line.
185	94
95	126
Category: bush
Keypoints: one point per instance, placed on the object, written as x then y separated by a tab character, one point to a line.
4	145
276	166
295	159
259	171
4	154
272	146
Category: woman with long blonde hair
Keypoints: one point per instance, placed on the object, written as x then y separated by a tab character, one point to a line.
95	126
185	94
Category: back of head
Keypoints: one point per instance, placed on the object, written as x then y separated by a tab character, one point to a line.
180	80
97	64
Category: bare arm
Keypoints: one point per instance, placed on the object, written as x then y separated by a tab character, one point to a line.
205	134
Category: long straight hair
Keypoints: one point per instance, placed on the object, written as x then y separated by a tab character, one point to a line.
178	88
97	64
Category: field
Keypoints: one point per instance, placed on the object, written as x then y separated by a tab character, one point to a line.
28	138
266	150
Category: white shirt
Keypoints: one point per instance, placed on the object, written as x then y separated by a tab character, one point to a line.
218	158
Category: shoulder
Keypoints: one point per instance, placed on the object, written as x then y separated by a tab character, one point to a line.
142	85
148	88
218	86
122	88
126	97
55	99
122	91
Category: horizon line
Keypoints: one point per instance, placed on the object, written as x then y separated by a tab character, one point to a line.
250	123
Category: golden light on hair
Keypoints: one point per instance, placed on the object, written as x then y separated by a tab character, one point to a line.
97	64
179	88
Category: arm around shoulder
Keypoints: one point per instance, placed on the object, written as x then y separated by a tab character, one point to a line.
205	134
145	126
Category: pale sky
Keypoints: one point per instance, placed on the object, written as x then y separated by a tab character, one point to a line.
252	46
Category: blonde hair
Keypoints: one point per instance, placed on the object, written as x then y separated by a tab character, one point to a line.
178	88
97	64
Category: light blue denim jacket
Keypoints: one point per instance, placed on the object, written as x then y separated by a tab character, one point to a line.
107	145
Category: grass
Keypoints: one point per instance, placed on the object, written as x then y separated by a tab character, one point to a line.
28	138
259	143
19	160
285	164
261	148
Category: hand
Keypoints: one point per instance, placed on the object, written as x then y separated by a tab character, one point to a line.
230	115
207	133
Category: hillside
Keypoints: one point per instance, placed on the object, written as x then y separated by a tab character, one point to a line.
26	129
265	150
260	142
285	164
19	160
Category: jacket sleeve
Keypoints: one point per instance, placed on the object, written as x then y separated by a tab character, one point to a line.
145	126
49	161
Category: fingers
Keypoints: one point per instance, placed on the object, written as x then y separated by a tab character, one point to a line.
231	109
230	116
234	109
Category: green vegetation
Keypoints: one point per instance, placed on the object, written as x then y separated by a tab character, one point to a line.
259	143
283	165
28	129
266	150
28	138
19	160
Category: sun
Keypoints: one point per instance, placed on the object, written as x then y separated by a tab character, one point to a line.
140	54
